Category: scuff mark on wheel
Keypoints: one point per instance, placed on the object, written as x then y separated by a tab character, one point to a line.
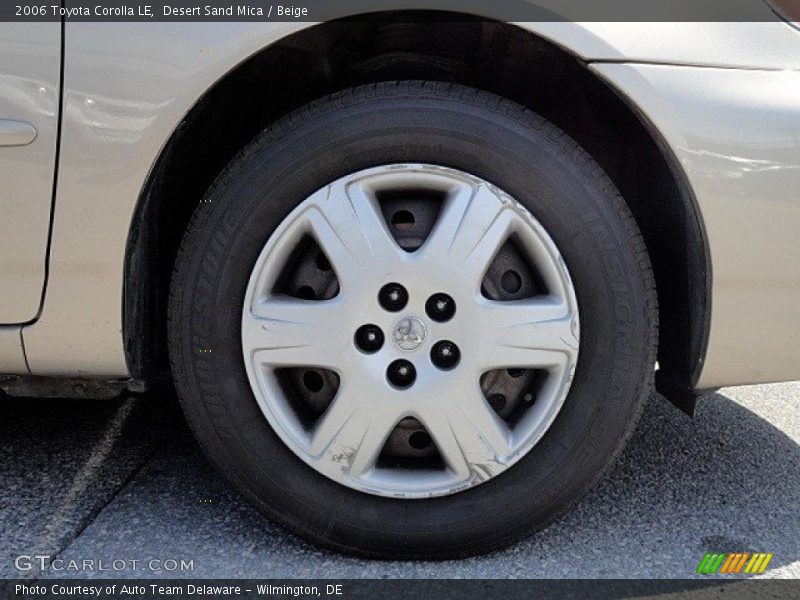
345	458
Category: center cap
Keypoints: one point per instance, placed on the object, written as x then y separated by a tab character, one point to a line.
409	334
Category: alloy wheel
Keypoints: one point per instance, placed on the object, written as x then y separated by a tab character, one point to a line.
410	331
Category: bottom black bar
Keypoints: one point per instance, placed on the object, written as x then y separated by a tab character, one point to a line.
411	589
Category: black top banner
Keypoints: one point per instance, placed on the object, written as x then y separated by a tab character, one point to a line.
325	10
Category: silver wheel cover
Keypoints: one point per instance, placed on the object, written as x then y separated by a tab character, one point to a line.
475	444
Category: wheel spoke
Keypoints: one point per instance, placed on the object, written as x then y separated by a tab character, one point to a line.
493	430
437	422
537	333
380	426
474	224
289	332
351	433
347	223
471	438
331	424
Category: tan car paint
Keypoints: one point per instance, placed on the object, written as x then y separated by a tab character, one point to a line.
29	80
12	357
737	137
129	85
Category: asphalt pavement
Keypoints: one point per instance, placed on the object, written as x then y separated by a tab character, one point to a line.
123	480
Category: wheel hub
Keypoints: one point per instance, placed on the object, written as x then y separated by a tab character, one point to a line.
409	334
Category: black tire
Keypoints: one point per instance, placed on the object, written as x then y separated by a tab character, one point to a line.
476	132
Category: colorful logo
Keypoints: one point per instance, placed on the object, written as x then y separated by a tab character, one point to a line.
732	563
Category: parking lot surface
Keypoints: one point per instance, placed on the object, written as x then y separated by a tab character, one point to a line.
124	480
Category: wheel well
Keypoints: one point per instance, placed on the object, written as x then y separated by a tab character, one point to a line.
496	57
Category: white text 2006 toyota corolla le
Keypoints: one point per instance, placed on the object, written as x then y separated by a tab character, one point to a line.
412	278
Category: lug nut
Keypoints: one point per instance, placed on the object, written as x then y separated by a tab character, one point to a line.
393	297
445	354
401	374
369	338
440	307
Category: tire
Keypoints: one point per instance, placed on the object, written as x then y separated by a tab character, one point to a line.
460	128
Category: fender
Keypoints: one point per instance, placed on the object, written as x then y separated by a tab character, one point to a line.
121	108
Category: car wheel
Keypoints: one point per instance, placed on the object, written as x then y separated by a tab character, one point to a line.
412	320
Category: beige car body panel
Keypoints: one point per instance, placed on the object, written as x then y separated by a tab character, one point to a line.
128	86
29	86
737	136
12	356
